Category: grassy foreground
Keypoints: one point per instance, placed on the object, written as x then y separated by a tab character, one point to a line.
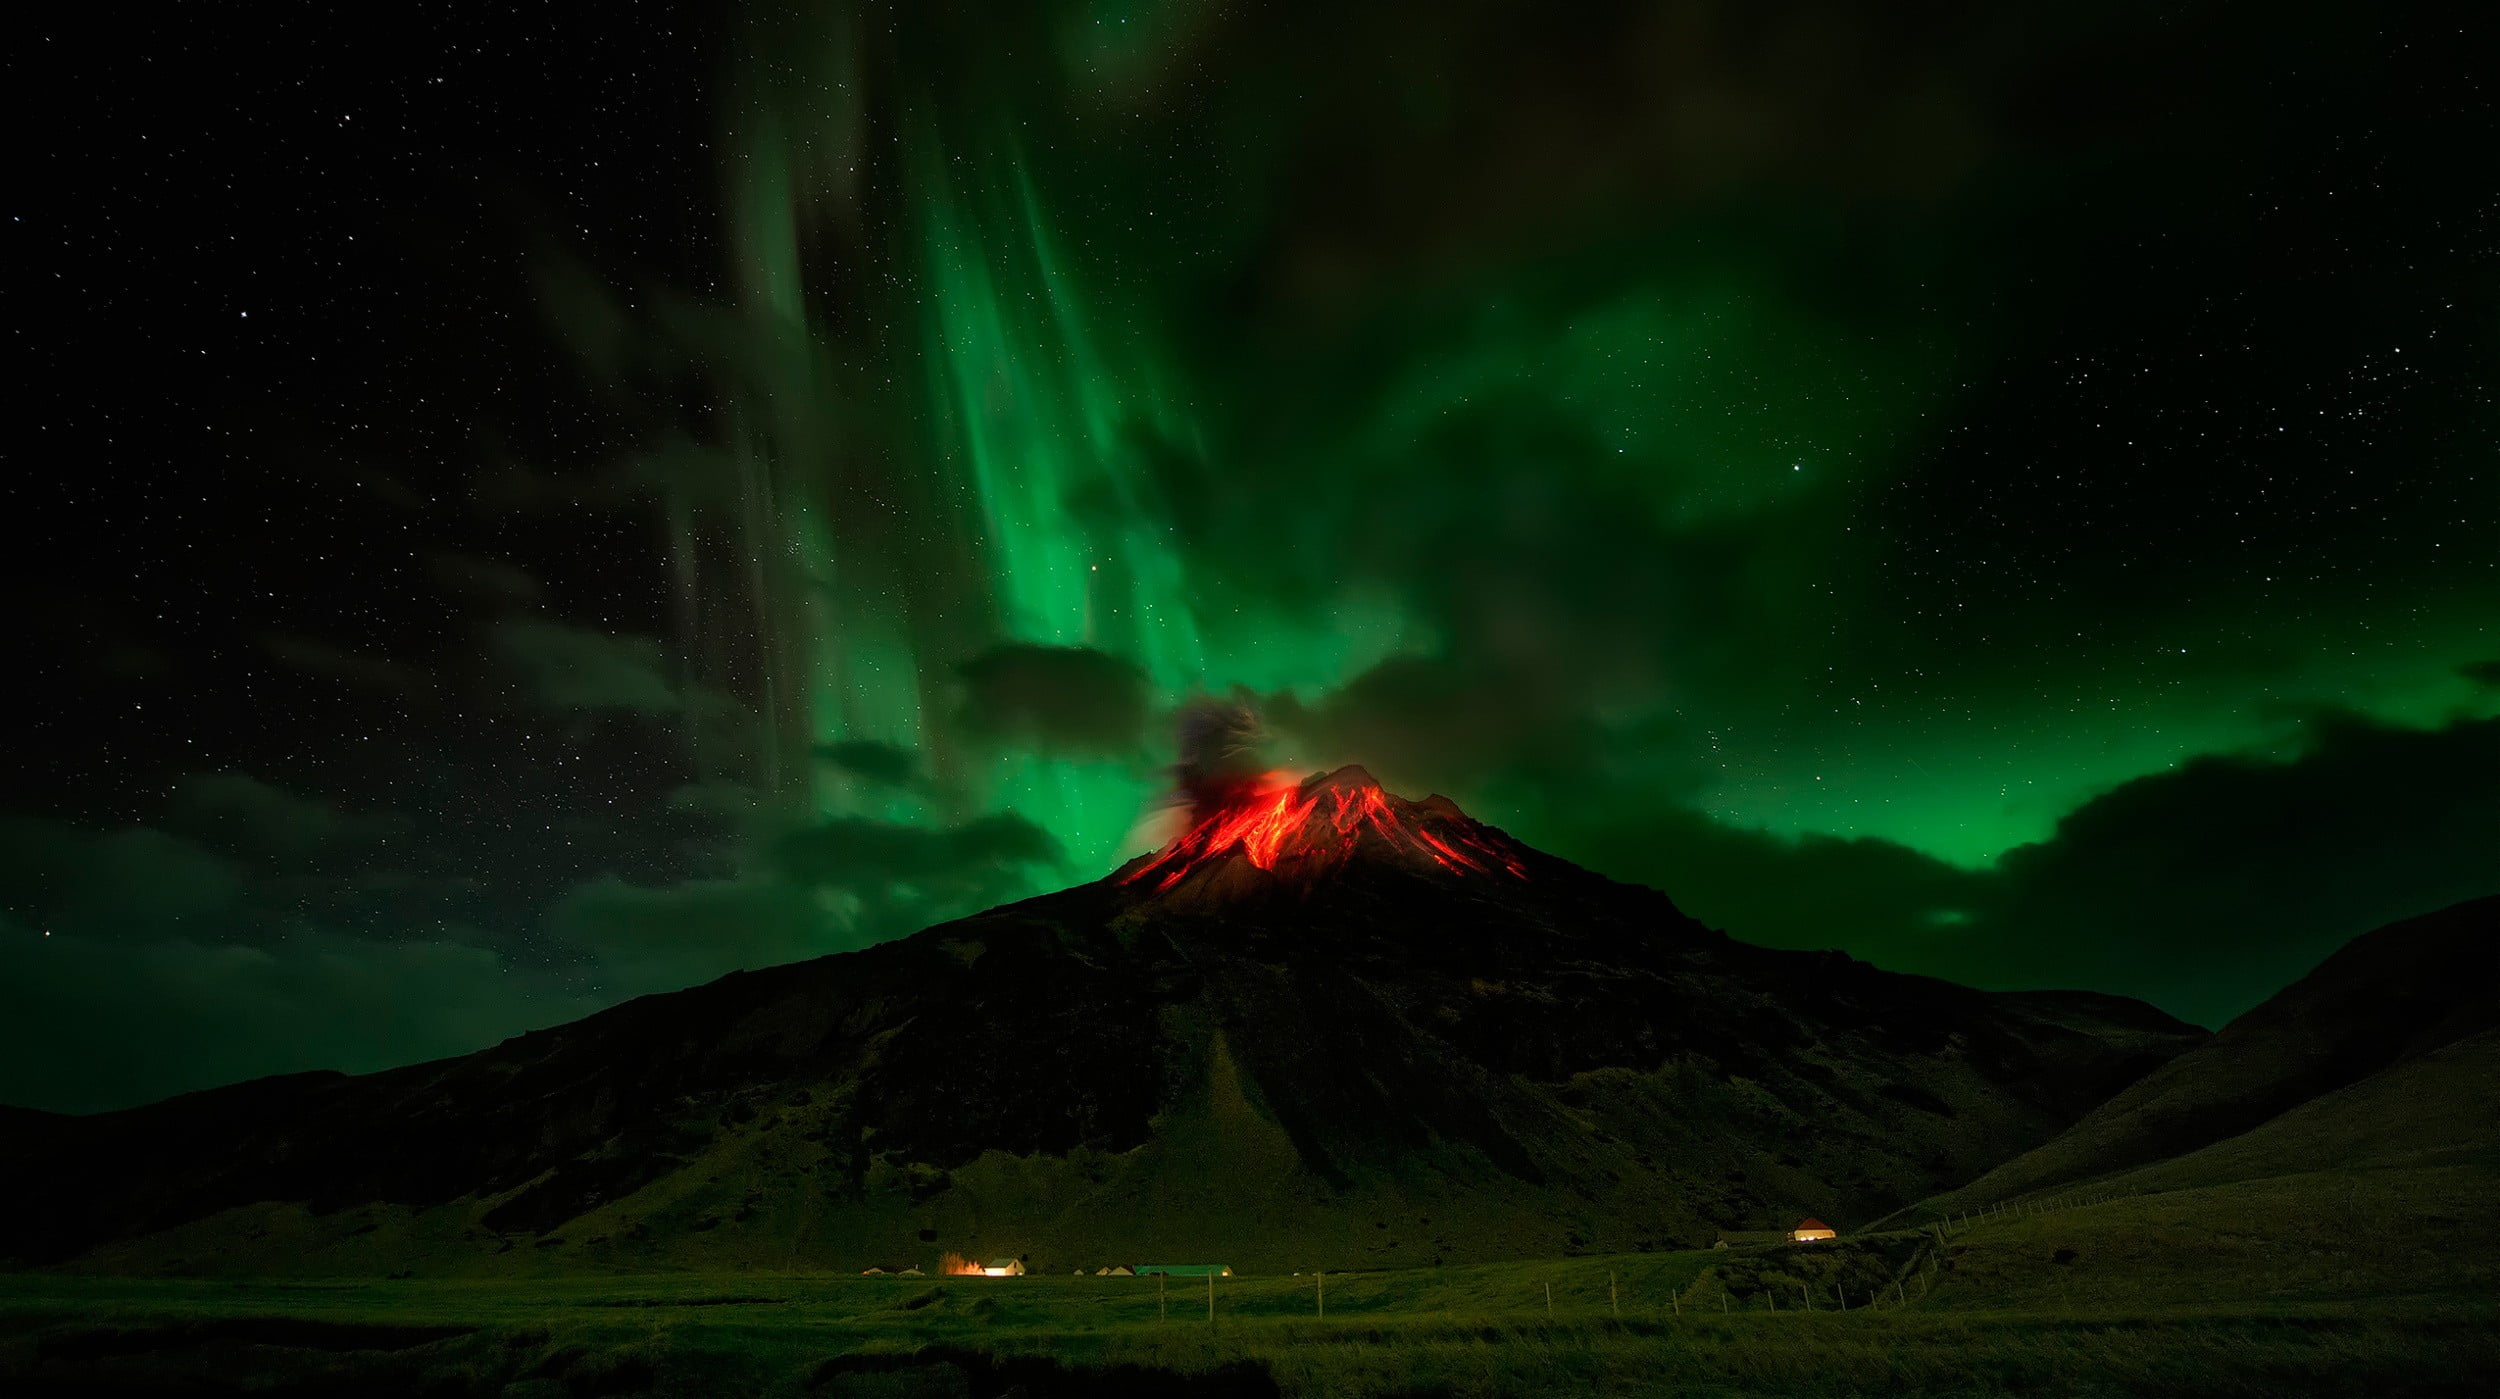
1460	1331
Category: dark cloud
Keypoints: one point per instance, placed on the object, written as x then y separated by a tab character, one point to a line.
731	805
888	763
1879	900
570	668
1591	609
88	1024
115	886
260	930
835	886
866	857
256	936
241	814
2481	672
1440	723
1069	700
590	677
102	637
482	581
520	488
366	670
2207	887
2203	889
662	938
266	867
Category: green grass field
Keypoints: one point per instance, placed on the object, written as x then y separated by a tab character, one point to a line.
1974	1316
2233	1271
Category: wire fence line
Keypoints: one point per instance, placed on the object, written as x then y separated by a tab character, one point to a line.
1885	1271
1763	1279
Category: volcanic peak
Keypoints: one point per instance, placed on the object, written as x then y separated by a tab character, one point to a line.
1322	823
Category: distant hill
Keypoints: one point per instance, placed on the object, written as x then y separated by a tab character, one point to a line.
2356	1063
1327	1028
2370	1193
2432	1110
18	1123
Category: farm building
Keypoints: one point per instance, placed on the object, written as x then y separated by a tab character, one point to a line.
1185	1270
1811	1230
1116	1270
1003	1268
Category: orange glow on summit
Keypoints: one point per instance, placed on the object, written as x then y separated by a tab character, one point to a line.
1283	825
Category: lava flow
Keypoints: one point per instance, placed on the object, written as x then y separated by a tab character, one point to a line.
1321	821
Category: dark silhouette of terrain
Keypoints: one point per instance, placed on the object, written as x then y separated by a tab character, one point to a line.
2384	1031
1346	1030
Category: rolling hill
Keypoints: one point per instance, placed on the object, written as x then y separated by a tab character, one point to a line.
2332	1052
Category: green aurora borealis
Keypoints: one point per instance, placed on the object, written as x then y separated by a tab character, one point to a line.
1982	491
1054	460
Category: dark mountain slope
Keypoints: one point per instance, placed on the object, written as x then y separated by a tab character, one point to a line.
2385	1000
2429	1112
1324	1020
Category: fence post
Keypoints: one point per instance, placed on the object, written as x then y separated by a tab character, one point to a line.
1549	1301
1614	1302
1210	1297
1323	1296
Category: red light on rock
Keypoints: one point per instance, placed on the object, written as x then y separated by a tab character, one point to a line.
1283	826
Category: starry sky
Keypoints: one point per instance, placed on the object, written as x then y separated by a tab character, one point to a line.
520	507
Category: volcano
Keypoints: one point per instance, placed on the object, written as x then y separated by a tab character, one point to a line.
1327	1027
1303	831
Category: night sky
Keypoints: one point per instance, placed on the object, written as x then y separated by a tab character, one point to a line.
516	507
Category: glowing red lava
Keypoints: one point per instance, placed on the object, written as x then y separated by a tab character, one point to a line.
1319	821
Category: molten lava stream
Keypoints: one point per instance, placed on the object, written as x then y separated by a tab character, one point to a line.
1276	819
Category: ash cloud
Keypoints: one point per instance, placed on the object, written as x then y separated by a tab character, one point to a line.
1222	747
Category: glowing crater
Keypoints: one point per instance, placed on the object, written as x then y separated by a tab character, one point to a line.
1281	823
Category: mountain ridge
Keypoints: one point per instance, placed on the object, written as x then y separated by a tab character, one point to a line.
1379	1011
